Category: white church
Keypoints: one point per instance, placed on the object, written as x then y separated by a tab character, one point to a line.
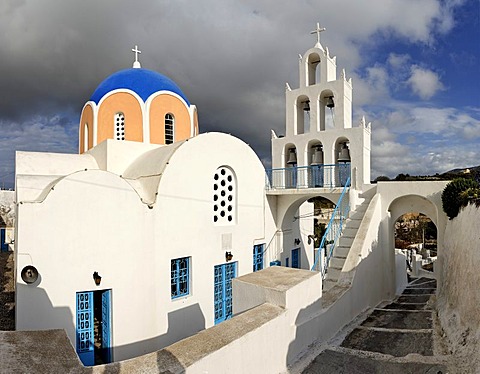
132	244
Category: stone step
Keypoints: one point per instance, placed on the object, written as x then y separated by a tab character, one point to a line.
413	299
399	319
419	291
341	361
396	343
396	305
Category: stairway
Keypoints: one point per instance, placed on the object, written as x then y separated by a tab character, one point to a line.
396	338
345	241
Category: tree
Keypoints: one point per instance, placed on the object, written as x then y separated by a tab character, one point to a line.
456	195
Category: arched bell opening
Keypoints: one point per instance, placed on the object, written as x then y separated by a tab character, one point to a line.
302	109
315	157
327	110
313	69
342	161
290	162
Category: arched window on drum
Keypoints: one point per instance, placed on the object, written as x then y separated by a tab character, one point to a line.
169	128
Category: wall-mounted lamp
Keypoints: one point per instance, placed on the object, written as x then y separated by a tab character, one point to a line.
297	241
97	278
228	256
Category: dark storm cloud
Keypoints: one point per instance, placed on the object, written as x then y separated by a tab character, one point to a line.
231	58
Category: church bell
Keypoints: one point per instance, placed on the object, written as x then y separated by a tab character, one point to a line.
330	104
317	157
344	155
292	157
306	106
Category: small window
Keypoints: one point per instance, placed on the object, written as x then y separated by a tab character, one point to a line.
258	257
85	137
119	126
180	274
224	197
169	124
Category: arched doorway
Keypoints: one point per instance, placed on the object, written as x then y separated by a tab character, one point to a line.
411	216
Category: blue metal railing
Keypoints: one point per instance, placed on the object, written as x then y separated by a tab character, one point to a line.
334	229
317	176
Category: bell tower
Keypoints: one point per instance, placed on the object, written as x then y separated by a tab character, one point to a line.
319	129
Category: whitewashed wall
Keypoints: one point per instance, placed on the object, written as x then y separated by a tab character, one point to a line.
459	295
95	220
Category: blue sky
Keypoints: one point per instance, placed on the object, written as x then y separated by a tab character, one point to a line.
414	64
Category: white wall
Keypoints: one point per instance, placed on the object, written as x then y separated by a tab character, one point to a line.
459	295
96	221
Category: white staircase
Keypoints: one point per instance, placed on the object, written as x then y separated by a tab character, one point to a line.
345	241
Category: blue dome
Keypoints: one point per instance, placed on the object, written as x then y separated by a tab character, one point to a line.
143	82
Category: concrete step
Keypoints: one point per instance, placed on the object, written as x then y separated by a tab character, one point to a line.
333	273
357	215
345	241
350	231
353	223
328	283
337	262
341	251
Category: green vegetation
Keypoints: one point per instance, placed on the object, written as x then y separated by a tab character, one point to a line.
457	194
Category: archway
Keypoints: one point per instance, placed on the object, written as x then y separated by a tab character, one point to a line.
408	214
300	222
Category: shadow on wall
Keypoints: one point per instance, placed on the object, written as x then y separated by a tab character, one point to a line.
320	321
44	314
182	323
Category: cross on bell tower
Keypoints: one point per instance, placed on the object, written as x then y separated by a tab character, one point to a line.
136	63
317	31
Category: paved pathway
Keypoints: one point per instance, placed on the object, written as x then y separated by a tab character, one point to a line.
396	338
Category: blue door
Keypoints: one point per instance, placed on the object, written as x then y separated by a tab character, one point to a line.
296	258
106	346
93	328
223	275
85	340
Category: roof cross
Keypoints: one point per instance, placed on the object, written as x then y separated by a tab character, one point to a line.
317	31
136	64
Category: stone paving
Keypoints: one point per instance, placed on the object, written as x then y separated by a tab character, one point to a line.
395	338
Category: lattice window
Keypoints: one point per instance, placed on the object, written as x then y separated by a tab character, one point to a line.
224	197
169	128
180	274
258	256
119	126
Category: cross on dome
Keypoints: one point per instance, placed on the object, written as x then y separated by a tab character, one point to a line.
136	63
317	31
